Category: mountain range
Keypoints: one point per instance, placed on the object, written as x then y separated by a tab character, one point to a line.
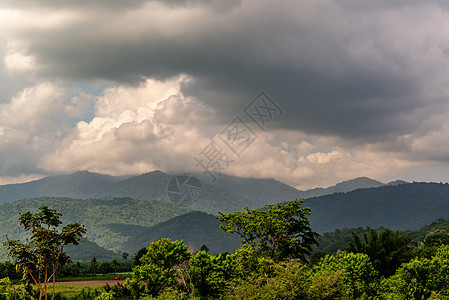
123	214
226	194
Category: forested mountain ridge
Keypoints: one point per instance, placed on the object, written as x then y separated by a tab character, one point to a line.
264	190
125	224
195	229
398	207
122	225
95	214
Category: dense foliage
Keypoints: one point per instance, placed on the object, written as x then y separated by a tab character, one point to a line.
386	249
280	231
370	264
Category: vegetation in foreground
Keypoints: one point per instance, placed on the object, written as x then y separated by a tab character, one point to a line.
275	261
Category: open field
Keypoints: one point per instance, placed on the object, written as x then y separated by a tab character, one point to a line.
91	283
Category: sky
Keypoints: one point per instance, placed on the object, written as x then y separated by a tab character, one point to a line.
309	92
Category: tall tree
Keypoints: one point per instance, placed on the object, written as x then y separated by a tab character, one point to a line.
279	231
386	249
93	263
115	265
159	267
41	255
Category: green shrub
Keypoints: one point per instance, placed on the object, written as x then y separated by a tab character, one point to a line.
8	291
359	279
288	280
421	278
210	274
158	268
326	286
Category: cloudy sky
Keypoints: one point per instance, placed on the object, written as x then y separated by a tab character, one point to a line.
352	88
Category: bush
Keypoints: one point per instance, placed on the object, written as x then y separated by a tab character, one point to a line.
8	291
326	286
359	279
158	267
288	281
420	278
210	274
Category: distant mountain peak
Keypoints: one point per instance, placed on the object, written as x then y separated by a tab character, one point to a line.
342	187
397	182
83	172
360	182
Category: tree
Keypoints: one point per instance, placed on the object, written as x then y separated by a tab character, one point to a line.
93	263
209	274
115	265
41	255
358	277
387	249
420	277
432	242
278	231
105	267
139	255
158	267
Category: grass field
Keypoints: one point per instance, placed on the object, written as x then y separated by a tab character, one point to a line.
71	291
96	277
70	287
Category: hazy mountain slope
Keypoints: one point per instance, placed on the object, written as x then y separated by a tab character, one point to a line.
345	186
259	191
405	206
397	182
195	229
227	194
263	191
148	186
154	186
81	184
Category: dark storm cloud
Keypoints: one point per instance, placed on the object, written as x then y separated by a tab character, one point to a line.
337	69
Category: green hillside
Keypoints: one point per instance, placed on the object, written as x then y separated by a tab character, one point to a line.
88	249
95	214
122	225
398	207
195	229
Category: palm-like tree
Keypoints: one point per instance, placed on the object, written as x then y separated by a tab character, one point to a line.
115	264
93	263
